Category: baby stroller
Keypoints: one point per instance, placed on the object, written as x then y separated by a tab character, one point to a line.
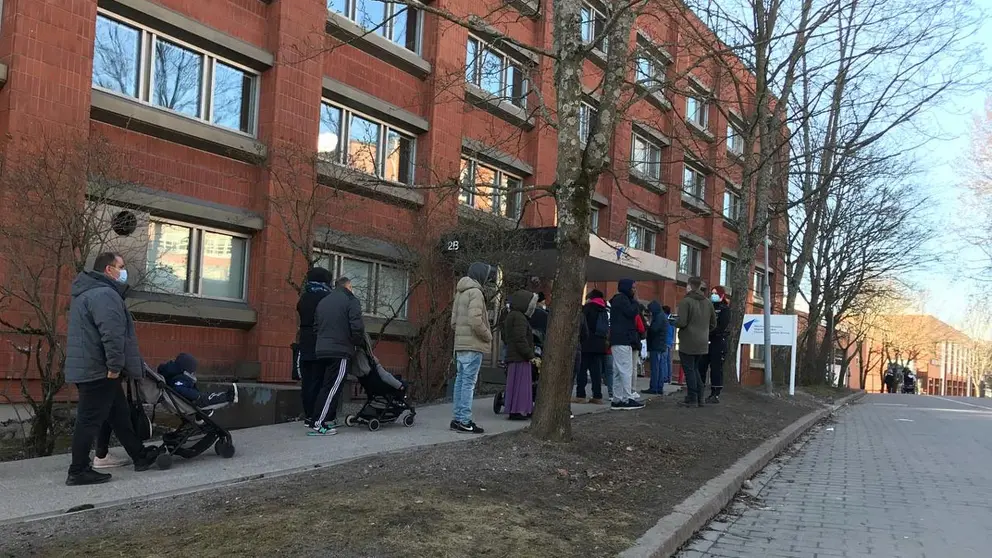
386	395
198	430
500	399
908	381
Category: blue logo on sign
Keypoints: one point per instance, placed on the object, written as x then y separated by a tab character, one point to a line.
747	325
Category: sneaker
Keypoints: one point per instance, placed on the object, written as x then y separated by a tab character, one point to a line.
88	476
147	460
650	392
308	423
323	430
110	461
616	405
469	427
634	405
713	399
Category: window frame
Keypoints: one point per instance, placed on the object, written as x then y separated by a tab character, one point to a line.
690	249
643	138
595	37
145	68
758	286
698	182
594	218
659	68
336	258
735	139
388	23
588	121
727	266
500	175
649	233
195	252
384	129
736	212
507	62
700	117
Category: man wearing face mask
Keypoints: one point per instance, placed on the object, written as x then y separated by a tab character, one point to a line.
713	360
101	349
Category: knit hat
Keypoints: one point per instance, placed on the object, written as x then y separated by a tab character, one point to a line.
595	293
625	286
186	362
319	275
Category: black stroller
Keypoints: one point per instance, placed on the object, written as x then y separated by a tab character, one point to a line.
499	400
197	431
908	381
386	396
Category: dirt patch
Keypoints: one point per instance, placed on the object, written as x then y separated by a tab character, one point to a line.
507	495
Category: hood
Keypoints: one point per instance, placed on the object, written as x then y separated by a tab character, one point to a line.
523	301
467	283
479	272
598	302
186	362
626	286
319	275
89	280
654	308
696	295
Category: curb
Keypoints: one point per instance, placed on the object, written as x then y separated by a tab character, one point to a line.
678	527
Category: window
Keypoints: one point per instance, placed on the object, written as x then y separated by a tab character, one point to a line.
490	190
495	72
382	288
645	158
759	287
758	353
690	260
191	260
731	205
693	181
397	22
649	71
592	27
640	237
726	270
594	220
373	147
696	110
735	139
145	65
588	117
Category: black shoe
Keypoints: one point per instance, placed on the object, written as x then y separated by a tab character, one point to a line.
308	423
713	399
634	404
88	476
700	403
469	427
147	459
516	416
616	406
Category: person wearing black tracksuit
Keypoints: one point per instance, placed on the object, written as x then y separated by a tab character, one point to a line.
339	328
318	286
713	361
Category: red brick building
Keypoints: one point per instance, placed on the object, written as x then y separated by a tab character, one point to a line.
199	94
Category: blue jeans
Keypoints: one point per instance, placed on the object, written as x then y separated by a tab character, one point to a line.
661	369
467	373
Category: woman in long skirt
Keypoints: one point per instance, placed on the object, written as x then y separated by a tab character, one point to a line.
519	339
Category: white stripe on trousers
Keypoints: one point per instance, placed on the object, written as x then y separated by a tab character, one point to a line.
342	371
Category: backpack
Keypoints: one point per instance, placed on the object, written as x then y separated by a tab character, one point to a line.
602	325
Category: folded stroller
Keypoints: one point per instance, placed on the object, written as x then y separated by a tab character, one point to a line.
197	430
386	396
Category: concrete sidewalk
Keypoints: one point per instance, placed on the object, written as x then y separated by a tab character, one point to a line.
35	488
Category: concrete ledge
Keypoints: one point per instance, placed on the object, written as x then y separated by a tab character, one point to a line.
133	115
167	204
496	157
339	176
349	32
355	98
649	183
479	97
676	528
190	310
182	27
529	8
695	204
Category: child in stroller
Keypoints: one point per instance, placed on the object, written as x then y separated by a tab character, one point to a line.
386	395
173	388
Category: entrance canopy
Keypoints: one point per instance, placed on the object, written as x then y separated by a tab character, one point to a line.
608	261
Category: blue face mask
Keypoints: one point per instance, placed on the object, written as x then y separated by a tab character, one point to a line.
715	297
122	278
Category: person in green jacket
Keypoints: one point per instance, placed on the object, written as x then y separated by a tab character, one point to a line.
696	319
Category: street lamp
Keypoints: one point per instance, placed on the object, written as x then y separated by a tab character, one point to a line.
769	388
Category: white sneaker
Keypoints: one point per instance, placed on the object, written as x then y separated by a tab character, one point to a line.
110	462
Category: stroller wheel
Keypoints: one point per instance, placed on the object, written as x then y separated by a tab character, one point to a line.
224	449
498	401
408	420
374	425
164	461
350	420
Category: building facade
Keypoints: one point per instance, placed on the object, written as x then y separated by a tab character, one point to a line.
214	105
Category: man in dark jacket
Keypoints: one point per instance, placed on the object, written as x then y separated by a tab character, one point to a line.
623	337
318	286
101	348
657	348
594	345
713	360
339	329
539	319
696	319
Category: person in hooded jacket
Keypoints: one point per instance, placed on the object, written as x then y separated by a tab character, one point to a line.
594	348
696	319
339	328
623	338
713	361
518	334
317	286
473	338
657	348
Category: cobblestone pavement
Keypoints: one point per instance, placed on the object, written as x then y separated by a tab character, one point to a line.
899	476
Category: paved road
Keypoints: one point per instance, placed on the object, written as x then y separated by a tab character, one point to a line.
899	476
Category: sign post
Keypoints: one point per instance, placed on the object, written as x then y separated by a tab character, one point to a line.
782	333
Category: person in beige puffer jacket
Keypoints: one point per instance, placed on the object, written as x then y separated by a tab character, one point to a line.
473	338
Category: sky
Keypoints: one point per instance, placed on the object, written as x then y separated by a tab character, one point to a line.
940	161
